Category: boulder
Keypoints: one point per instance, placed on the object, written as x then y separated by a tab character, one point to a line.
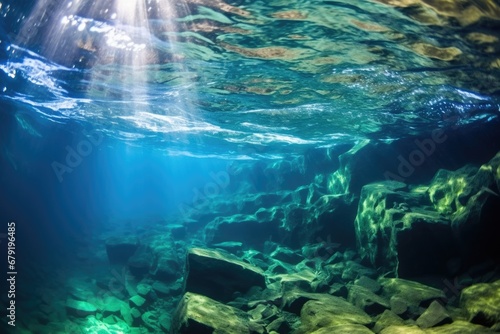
162	289
167	267
220	275
146	291
302	280
150	320
200	314
398	305
367	300
393	222
322	310
470	197
120	249
279	325
136	301
460	327
434	315
141	261
386	319
411	293
402	330
112	306
79	308
453	216
125	313
481	303
368	283
165	323
136	315
343	329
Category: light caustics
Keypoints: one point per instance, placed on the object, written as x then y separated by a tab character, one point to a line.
119	44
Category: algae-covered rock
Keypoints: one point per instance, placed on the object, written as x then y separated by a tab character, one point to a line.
219	275
366	300
460	327
322	310
398	305
413	293
303	280
386	319
368	283
342	329
393	223
415	231
286	255
199	314
112	306
79	308
434	315
481	303
402	330
470	196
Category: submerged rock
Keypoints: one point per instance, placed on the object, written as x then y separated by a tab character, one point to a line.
431	229
386	319
481	303
390	234
342	329
167	267
435	315
414	293
220	275
78	308
286	255
199	314
402	330
120	249
137	301
367	300
141	261
369	284
460	327
112	306
322	310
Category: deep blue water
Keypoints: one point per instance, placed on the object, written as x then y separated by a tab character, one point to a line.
111	117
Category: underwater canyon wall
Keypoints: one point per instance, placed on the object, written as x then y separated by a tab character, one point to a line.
384	198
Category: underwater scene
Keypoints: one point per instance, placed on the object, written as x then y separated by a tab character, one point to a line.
249	166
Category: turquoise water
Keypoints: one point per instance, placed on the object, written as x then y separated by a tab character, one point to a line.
120	115
200	80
